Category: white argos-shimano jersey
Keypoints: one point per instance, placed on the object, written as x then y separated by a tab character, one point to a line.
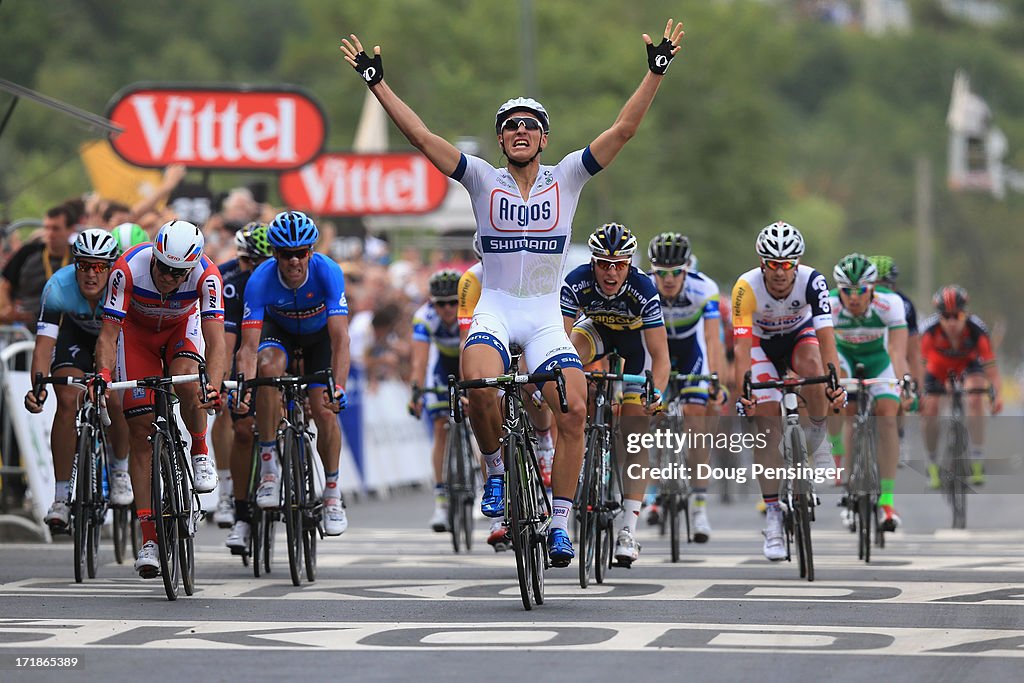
525	243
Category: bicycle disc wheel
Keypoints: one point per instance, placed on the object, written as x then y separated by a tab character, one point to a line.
291	507
166	509
186	528
520	527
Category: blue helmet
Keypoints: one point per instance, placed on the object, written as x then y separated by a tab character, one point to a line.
291	229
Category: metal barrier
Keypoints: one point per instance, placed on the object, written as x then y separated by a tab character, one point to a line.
16	346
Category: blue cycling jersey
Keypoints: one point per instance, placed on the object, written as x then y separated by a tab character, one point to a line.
636	306
297	311
62	299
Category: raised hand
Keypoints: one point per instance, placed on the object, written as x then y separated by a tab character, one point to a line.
660	56
371	69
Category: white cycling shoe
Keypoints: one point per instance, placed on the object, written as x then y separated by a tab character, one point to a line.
268	495
121	493
335	519
148	562
774	540
205	473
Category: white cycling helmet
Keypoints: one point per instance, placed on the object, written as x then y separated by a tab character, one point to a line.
241	244
95	243
521	104
779	241
179	244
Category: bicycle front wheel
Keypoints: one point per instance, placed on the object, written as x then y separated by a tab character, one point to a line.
454	480
516	503
865	522
959	471
586	509
311	511
166	511
122	518
186	527
291	486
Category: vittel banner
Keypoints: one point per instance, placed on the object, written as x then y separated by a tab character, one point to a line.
218	127
338	184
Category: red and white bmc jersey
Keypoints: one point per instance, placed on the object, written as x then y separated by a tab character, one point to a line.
132	295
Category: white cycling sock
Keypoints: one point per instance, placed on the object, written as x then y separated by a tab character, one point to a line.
61	489
560	508
268	460
495	463
631	513
118	464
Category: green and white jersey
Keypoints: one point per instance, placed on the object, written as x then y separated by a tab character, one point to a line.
863	339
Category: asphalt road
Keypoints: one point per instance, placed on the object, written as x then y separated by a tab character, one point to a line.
392	601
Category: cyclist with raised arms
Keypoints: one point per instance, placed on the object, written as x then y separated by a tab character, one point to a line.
164	310
295	304
609	306
956	342
435	327
871	330
70	319
782	321
689	304
524	222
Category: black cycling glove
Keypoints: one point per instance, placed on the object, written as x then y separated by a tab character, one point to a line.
370	68
660	56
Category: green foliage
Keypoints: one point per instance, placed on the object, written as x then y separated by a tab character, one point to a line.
763	116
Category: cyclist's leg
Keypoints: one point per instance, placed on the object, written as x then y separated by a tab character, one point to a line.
486	355
547	349
767	425
977	411
887	407
931	401
185	350
138	355
806	362
838	435
272	358
69	359
241	466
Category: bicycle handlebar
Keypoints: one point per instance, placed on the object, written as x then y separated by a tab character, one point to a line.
831	379
83	382
500	382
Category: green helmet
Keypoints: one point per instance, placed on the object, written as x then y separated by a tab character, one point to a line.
887	271
128	235
256	241
855	270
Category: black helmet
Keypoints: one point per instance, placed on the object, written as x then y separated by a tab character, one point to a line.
444	284
950	299
670	249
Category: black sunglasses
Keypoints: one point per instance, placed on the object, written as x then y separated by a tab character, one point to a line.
173	272
513	123
287	254
446	302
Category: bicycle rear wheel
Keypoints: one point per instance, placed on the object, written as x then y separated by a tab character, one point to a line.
122	519
670	509
802	528
539	510
516	503
166	510
268	531
81	505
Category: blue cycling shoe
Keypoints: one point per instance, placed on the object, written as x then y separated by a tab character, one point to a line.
560	550
493	502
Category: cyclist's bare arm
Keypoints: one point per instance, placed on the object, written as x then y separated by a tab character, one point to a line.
656	339
898	351
213	335
106	345
245	357
441	153
337	330
608	144
713	343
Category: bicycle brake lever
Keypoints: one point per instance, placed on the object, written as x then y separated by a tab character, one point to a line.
563	404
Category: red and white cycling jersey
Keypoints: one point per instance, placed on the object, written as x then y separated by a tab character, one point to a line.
133	297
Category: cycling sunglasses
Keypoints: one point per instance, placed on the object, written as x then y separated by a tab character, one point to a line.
92	266
953	316
513	123
779	264
445	302
173	272
606	264
858	291
665	272
288	254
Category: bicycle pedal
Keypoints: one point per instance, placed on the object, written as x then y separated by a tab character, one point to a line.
149	573
244	552
623	563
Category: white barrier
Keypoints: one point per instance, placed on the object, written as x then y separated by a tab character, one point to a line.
396	445
31	431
